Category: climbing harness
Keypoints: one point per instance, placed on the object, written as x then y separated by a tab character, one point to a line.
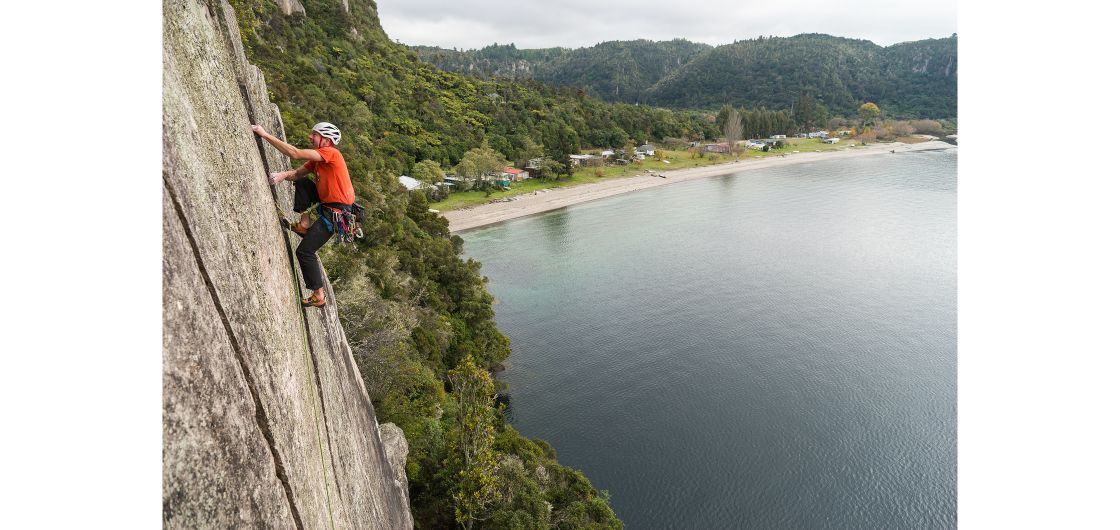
342	222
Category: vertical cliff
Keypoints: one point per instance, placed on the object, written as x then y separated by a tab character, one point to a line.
266	420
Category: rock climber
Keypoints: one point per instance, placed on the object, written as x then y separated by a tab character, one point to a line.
332	191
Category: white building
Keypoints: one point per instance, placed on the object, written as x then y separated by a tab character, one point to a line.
579	160
412	184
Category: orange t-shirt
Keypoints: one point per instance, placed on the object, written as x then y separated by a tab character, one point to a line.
334	179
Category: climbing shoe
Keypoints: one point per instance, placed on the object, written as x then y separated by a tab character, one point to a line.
314	301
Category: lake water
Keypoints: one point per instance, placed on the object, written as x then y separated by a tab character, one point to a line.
774	348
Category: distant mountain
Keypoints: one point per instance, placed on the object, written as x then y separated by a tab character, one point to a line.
614	71
912	79
496	60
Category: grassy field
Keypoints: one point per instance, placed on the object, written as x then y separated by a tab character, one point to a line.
676	160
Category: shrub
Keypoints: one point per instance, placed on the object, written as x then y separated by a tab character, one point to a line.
927	127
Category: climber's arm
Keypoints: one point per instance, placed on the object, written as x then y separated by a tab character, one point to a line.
294	174
286	148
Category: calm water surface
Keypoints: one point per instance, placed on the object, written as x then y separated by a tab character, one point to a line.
769	349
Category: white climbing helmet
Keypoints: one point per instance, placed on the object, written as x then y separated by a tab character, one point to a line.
328	131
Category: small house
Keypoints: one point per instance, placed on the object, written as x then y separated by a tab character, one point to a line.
644	149
778	137
586	160
412	184
514	174
830	140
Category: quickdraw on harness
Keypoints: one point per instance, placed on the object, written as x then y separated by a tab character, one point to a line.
348	223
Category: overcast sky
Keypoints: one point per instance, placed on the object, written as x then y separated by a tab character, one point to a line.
576	23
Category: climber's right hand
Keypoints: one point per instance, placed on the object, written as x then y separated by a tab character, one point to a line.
278	177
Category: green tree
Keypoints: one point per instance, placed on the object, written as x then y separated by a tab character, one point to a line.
721	117
804	112
868	112
481	161
552	170
529	150
626	152
471	457
428	171
820	116
809	113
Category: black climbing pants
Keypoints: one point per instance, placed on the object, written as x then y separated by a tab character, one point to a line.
307	196
313	240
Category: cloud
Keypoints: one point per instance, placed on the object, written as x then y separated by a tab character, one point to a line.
576	23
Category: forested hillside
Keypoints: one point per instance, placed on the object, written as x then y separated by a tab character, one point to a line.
338	65
496	60
907	80
614	71
419	318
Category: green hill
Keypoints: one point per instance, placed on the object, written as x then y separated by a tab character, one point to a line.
614	71
915	80
907	80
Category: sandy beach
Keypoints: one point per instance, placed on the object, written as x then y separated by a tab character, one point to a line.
543	201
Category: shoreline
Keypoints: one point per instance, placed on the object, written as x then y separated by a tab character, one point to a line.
557	198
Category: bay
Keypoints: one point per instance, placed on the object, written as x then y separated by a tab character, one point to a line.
774	348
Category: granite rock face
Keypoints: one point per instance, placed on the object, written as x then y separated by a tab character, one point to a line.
267	422
396	450
290	7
